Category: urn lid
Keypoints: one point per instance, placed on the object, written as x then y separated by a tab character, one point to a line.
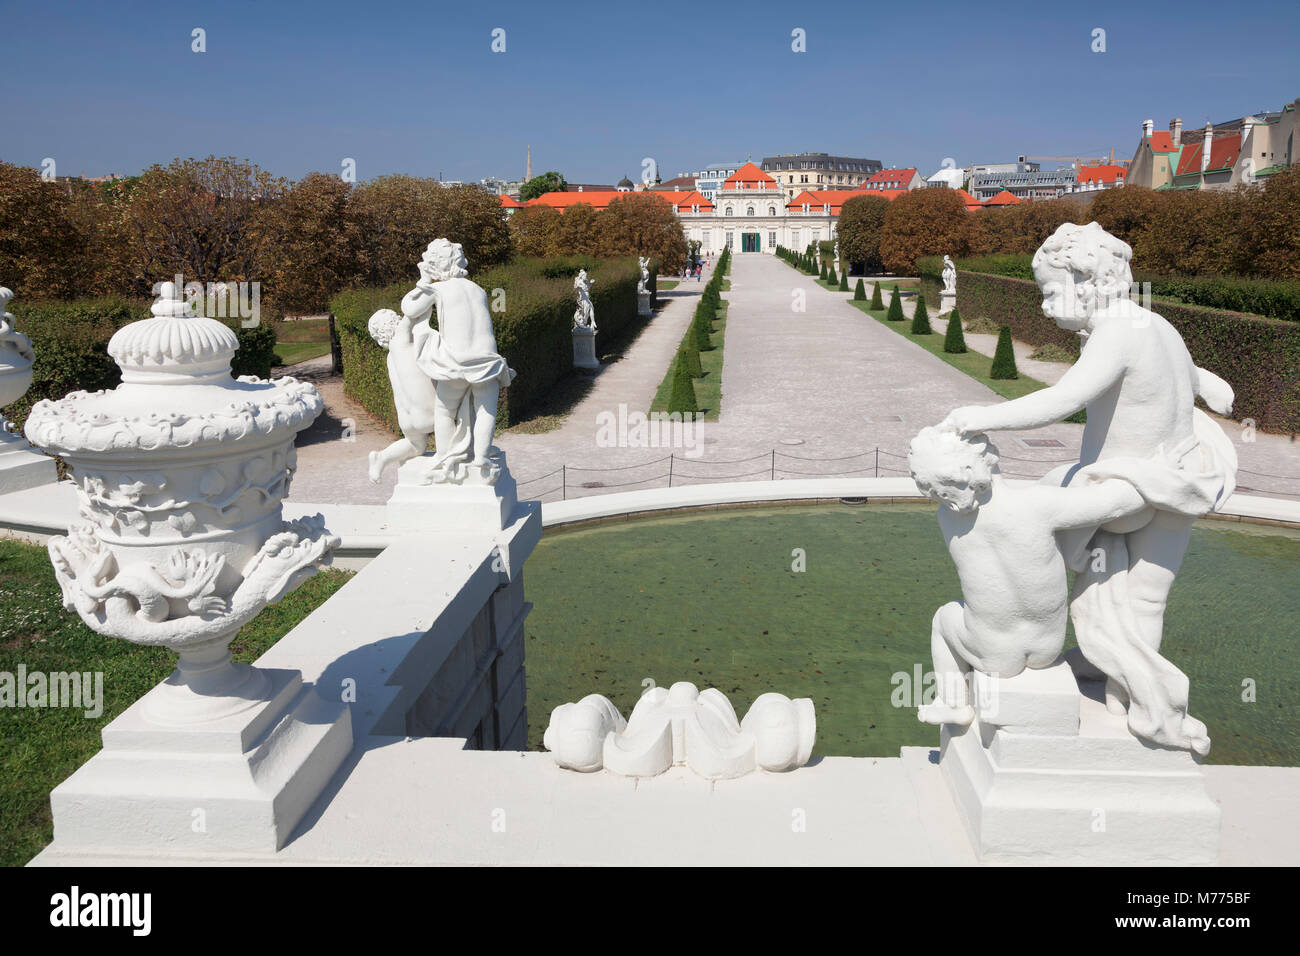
176	393
175	347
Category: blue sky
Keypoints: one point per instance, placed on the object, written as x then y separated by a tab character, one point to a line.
595	87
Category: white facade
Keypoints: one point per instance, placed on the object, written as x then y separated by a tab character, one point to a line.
755	217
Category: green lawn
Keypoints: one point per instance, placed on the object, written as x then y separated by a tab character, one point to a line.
663	285
41	747
291	353
711	598
708	388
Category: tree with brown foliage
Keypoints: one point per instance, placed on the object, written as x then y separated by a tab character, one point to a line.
533	230
862	219
311	251
923	222
39	244
642	224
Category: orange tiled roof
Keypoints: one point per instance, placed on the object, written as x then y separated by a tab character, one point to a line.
1101	173
748	176
1003	198
1223	154
1162	142
596	198
903	176
970	201
685	200
510	202
836	198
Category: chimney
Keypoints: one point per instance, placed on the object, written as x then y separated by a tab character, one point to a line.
1247	124
1148	127
1176	131
1205	147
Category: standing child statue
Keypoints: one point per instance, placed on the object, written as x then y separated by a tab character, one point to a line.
949	277
446	381
584	317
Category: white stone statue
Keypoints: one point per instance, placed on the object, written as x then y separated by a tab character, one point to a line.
679	726
16	358
643	284
1138	384
584	317
1002	535
446	381
949	277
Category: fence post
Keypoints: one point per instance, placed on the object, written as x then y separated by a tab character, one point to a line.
564	483
773	475
670	469
336	348
877	461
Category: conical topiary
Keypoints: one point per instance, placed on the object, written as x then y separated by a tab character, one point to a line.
831	277
693	366
954	340
921	318
859	292
1004	359
682	396
895	313
844	280
823	271
876	301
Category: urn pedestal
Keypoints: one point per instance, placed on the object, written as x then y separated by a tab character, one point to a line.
643	304
584	348
20	466
947	302
1046	774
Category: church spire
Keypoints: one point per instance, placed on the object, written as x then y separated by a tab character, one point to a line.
528	168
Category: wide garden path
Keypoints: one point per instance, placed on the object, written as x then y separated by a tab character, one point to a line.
821	392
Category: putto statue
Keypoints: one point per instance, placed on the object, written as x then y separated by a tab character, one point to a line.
949	277
1139	385
446	381
16	358
584	317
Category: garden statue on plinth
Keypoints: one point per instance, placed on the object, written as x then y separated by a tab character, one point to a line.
20	467
446	383
584	324
948	298
1121	517
643	287
180	472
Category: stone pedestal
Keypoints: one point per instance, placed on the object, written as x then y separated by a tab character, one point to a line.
643	304
1046	775
239	783
421	503
22	467
947	302
584	348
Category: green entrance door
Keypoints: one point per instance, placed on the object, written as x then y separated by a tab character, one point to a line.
749	242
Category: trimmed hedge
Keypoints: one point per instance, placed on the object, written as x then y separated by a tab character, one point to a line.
70	339
954	339
533	332
1258	356
859	292
1270	298
877	302
895	313
1004	357
921	318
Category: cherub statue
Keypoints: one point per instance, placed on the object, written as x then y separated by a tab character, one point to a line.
1002	535
584	317
446	380
1139	385
643	284
949	277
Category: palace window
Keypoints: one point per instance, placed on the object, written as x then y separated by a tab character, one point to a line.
749	210
731	240
771	239
729	212
771	210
